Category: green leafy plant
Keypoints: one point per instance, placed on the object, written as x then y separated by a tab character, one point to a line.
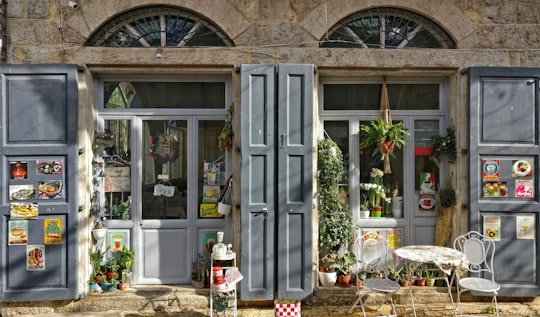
387	135
125	260
445	145
96	258
336	228
345	263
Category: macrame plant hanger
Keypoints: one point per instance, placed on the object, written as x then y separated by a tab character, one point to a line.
387	118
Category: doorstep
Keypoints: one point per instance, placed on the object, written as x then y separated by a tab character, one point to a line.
184	300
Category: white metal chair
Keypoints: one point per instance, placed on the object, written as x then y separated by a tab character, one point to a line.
371	252
480	251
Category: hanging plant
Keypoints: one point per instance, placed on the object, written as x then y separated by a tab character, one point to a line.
164	148
225	136
445	145
386	137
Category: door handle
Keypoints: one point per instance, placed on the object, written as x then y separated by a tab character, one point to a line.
263	212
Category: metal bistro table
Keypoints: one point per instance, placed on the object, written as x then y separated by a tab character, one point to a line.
447	259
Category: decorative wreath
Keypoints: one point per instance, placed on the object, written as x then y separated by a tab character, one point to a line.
164	148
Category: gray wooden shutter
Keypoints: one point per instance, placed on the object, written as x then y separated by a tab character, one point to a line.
39	122
295	181
504	118
257	181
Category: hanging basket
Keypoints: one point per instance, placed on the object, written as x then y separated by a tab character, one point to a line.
386	147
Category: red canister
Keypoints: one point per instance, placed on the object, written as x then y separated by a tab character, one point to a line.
218	273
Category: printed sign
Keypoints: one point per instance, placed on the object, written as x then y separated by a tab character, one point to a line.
491	170
18	232
492	227
35	257
117	179
525	227
52	229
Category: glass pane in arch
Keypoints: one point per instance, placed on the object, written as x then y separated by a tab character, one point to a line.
387	28
160	26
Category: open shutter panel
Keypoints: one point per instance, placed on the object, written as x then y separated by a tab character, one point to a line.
39	123
295	181
504	117
257	181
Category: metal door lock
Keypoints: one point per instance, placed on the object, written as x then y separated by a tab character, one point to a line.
263	212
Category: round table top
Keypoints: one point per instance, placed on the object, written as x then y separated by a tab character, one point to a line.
447	259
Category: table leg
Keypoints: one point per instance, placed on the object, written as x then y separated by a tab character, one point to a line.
410	270
449	285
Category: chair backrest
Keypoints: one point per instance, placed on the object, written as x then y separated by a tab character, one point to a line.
371	251
480	251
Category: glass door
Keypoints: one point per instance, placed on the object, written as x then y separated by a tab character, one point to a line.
164	232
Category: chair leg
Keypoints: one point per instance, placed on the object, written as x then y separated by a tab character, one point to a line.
354	305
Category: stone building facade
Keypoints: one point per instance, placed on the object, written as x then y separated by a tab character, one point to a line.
497	33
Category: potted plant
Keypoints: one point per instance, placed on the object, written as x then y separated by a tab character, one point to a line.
376	194
345	264
197	271
336	228
327	270
385	136
394	272
99	230
112	268
96	259
445	145
225	136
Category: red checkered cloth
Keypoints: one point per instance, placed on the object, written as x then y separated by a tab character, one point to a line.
287	310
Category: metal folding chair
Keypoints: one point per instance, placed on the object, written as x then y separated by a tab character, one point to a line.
480	250
371	252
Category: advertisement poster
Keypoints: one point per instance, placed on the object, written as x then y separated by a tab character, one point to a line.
23	211
211	173
117	240
17	232
522	168
49	167
21	192
209	239
495	189
51	190
117	179
427	191
210	194
19	170
35	257
525	227
492	227
491	170
209	210
393	238
52	229
524	188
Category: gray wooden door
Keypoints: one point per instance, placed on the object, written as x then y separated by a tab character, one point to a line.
504	130
276	179
39	126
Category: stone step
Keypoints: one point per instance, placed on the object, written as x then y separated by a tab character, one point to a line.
177	300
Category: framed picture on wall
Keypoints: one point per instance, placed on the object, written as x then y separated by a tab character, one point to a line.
117	239
209	239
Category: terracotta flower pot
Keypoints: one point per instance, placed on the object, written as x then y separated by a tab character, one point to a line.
344	280
386	147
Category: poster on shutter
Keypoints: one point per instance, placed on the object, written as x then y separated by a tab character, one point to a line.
491	170
117	179
18	232
524	188
492	227
35	257
52	229
525	227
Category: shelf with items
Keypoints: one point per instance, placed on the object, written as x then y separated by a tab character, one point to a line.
224	275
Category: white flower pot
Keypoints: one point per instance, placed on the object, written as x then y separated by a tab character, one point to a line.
99	234
327	279
224	209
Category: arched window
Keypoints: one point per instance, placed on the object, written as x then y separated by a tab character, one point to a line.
387	28
159	26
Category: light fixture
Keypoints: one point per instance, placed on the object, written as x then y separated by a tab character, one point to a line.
73	4
159	52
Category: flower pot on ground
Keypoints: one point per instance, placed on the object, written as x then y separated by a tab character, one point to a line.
327	279
345	265
344	280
